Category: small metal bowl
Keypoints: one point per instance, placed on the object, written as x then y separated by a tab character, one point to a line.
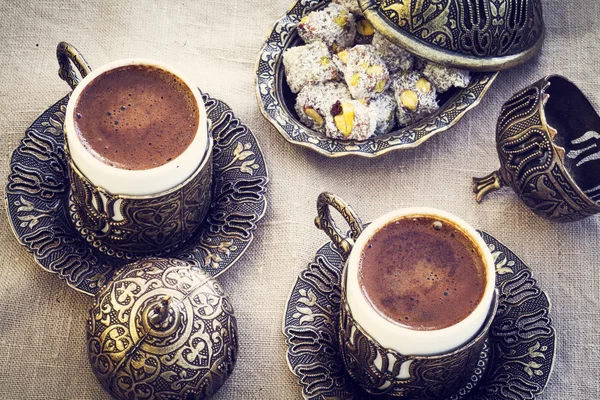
276	100
548	141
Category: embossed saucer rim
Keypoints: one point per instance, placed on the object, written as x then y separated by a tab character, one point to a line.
265	199
248	242
261	215
490	351
360	153
7	210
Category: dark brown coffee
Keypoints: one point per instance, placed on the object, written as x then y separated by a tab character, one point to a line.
136	117
423	273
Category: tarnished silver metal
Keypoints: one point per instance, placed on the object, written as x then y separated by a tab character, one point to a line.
162	329
484	35
141	224
432	377
324	222
548	141
66	54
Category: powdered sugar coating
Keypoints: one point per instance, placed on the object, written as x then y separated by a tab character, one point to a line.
308	64
340	64
375	75
427	103
384	108
364	122
351	5
395	58
365	73
335	25
320	97
445	77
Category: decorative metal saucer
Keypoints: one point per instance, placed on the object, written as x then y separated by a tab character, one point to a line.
276	100
517	364
38	208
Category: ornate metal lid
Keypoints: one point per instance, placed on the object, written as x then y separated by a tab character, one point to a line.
162	329
478	35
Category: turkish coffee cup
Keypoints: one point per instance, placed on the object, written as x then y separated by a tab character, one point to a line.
126	197
418	299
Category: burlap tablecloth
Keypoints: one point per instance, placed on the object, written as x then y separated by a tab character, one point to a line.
42	321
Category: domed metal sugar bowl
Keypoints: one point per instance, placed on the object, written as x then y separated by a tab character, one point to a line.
162	329
483	35
548	141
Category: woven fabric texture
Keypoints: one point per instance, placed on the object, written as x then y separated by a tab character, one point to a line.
42	321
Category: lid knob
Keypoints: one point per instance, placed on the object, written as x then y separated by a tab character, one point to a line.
159	311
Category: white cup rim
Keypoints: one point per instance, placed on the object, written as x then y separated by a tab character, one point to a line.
417	342
137	182
166	192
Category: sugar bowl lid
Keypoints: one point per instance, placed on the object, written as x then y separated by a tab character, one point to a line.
162	329
478	35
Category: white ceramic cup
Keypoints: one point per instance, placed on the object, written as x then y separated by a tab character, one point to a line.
400	338
137	182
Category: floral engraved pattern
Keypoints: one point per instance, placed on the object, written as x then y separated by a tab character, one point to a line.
531	367
503	264
274	100
464	27
191	350
213	259
305	313
34	215
38	205
145	226
516	363
242	153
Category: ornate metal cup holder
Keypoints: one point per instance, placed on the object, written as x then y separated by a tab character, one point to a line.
548	142
516	365
38	210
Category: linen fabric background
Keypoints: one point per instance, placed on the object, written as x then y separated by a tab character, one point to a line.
42	321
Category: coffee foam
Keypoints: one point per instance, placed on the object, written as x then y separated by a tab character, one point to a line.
421	276
136	117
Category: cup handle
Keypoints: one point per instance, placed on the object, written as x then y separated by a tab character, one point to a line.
324	221
68	56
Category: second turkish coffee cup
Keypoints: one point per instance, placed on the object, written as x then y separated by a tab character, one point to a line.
418	299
